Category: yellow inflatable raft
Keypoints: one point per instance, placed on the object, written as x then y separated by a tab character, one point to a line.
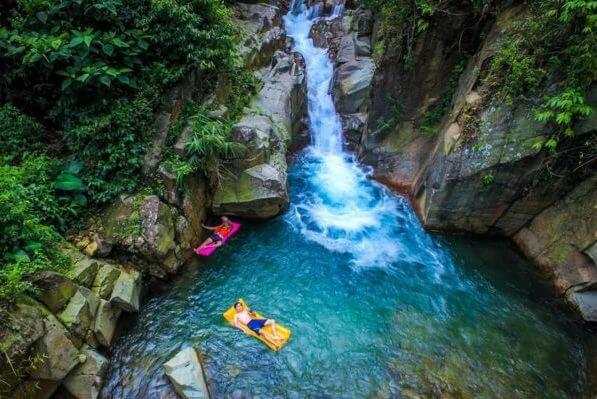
267	330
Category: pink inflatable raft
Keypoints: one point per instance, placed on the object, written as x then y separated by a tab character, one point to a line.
211	249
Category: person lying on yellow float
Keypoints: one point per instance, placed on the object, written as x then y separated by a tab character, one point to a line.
252	323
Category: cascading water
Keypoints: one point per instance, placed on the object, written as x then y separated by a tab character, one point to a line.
342	210
377	306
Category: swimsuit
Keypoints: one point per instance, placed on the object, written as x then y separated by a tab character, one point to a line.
256	325
220	233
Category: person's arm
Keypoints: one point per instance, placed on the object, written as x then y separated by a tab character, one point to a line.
208	227
235	321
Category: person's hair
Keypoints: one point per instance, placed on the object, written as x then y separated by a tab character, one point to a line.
237	303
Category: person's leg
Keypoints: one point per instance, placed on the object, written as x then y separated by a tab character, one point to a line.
272	323
269	339
205	244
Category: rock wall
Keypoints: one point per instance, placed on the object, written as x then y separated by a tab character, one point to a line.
477	169
562	241
257	187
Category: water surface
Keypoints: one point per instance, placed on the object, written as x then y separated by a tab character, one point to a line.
378	307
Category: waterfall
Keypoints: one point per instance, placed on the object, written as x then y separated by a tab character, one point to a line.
340	207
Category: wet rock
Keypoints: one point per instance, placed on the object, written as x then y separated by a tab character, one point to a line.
362	46
127	290
104	280
260	192
85	381
586	304
58	352
186	374
353	126
105	322
351	85
346	50
555	238
53	289
258	188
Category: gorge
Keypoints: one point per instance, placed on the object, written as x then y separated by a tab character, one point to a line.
341	187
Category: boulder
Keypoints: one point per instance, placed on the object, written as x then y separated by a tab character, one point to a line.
186	374
99	247
59	354
53	289
144	226
158	227
351	85
346	50
84	270
78	314
362	46
85	381
104	280
127	290
260	192
20	328
586	304
105	322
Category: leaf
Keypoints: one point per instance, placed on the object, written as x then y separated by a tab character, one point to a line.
68	182
87	39
83	77
66	84
105	80
42	16
108	49
79	200
74	167
32	245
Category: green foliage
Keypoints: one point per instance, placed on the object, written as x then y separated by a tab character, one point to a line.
20	135
430	119
550	53
391	120
28	241
111	146
210	146
488	179
95	70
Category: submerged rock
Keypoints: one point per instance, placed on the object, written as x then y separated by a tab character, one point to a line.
186	374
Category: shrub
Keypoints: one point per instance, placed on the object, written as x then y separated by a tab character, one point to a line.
28	242
20	135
